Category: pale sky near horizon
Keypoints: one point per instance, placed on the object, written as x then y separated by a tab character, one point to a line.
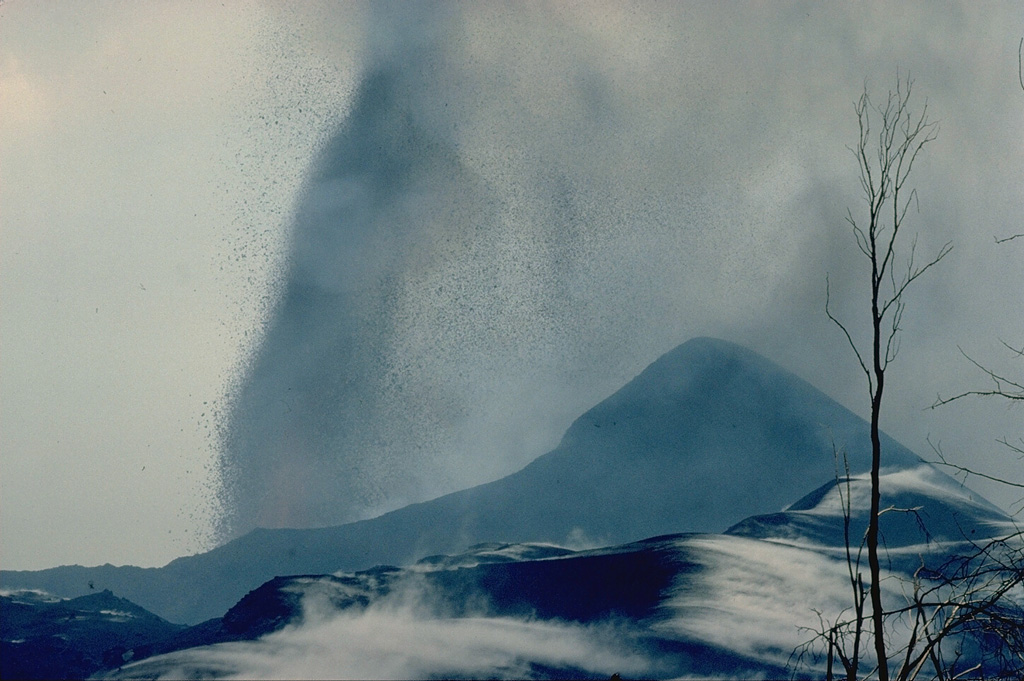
152	155
149	154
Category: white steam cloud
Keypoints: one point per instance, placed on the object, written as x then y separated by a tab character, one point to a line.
399	640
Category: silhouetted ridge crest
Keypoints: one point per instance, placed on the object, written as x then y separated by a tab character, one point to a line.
708	432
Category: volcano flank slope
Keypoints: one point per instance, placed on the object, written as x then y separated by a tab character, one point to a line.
706	436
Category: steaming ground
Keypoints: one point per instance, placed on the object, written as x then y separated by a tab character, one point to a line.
396	643
733	607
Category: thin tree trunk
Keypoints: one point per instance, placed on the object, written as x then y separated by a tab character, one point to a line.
872	541
876	492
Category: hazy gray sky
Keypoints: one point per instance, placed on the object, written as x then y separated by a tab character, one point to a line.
685	163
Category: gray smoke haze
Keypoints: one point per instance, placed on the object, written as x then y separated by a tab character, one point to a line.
527	204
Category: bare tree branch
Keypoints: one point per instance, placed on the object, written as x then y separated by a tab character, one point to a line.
911	278
1006	388
968	471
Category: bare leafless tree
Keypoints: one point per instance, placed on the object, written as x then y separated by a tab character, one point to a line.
974	599
961	616
890	141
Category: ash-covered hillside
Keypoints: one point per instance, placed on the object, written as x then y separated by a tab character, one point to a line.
743	604
707	435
